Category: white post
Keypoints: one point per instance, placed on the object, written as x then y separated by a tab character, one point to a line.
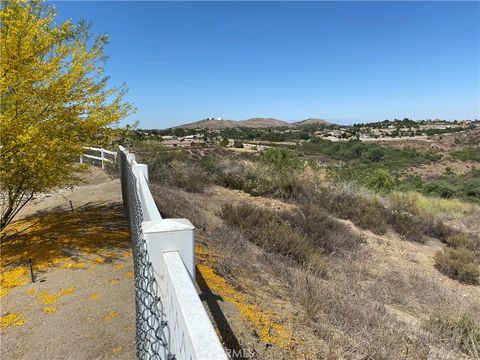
102	156
81	159
140	169
170	235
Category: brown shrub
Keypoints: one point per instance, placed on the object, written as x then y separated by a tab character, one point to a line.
297	234
460	264
265	229
409	226
322	231
173	204
345	202
459	240
172	167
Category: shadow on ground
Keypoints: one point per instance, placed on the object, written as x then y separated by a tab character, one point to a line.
229	339
93	233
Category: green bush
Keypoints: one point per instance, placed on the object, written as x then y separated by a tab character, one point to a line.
281	159
410	183
472	154
357	152
238	144
466	186
470	189
380	180
209	164
440	188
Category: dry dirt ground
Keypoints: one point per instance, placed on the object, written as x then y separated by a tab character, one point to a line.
82	304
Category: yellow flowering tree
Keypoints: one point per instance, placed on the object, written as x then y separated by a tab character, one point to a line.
54	99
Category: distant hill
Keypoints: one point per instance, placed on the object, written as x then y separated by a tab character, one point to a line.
250	123
311	122
210	124
264	123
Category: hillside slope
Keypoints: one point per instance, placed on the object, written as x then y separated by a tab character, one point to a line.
311	121
224	124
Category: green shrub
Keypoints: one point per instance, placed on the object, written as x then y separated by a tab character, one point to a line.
411	183
463	332
238	144
459	264
472	154
380	180
471	189
256	186
466	186
232	181
281	159
209	164
357	152
440	188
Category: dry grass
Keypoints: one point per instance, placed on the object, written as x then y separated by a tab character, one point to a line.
460	264
305	235
461	332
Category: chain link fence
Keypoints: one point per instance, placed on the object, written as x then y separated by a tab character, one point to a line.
151	324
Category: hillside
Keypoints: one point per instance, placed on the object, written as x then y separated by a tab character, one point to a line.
250	123
297	264
311	121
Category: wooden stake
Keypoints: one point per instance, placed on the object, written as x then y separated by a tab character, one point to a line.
31	270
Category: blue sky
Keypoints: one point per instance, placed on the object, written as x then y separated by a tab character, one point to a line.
342	61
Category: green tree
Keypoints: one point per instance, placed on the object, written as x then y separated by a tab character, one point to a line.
54	98
381	180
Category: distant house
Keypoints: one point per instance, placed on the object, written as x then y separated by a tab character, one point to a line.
184	142
169	137
193	137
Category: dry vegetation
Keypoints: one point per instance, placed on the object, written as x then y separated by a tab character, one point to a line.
350	273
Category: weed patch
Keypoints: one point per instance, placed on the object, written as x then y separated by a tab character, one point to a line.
462	332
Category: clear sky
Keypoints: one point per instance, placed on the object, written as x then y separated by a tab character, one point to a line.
342	61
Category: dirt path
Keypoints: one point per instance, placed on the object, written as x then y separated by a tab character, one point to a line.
82	303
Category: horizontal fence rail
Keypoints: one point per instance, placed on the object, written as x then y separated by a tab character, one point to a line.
171	322
105	156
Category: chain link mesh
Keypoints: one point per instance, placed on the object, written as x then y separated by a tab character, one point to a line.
151	324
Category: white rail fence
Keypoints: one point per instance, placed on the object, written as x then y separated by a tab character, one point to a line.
106	156
171	320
